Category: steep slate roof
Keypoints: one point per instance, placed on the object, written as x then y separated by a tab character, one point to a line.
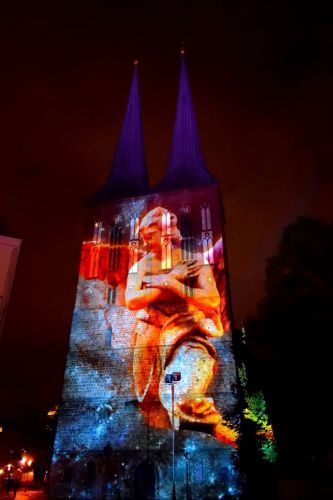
186	167
128	173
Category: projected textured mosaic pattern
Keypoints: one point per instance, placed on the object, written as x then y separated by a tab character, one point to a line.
151	301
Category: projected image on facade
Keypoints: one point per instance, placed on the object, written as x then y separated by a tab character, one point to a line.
174	291
150	401
152	301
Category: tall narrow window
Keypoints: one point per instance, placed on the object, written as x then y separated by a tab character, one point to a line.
114	261
111	295
166	241
186	230
187	241
95	250
108	337
207	233
98	229
133	245
115	246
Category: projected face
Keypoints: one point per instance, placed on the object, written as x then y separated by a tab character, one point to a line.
158	224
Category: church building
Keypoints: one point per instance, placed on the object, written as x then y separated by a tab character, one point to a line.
149	407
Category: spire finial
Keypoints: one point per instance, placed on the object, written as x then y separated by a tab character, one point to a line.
136	56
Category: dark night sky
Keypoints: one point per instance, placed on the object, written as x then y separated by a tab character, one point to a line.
261	81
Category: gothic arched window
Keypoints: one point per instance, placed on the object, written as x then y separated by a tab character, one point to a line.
187	241
133	245
95	250
166	241
186	231
116	236
207	233
114	260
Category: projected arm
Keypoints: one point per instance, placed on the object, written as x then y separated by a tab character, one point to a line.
138	297
203	296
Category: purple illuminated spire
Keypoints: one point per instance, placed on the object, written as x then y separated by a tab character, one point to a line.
128	173
186	167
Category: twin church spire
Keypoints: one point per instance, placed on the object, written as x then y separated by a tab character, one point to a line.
128	172
186	166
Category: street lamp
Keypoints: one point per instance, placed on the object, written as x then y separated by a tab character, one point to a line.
171	378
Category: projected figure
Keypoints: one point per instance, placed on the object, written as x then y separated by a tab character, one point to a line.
177	313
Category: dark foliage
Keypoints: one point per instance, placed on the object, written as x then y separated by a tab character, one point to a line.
290	346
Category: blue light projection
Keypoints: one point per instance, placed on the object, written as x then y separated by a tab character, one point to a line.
151	299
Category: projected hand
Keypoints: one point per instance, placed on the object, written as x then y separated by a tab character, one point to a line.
185	269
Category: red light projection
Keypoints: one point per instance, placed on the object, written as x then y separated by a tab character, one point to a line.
167	267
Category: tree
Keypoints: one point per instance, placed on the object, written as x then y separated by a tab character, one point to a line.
294	328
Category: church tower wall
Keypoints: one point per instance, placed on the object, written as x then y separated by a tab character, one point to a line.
150	352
